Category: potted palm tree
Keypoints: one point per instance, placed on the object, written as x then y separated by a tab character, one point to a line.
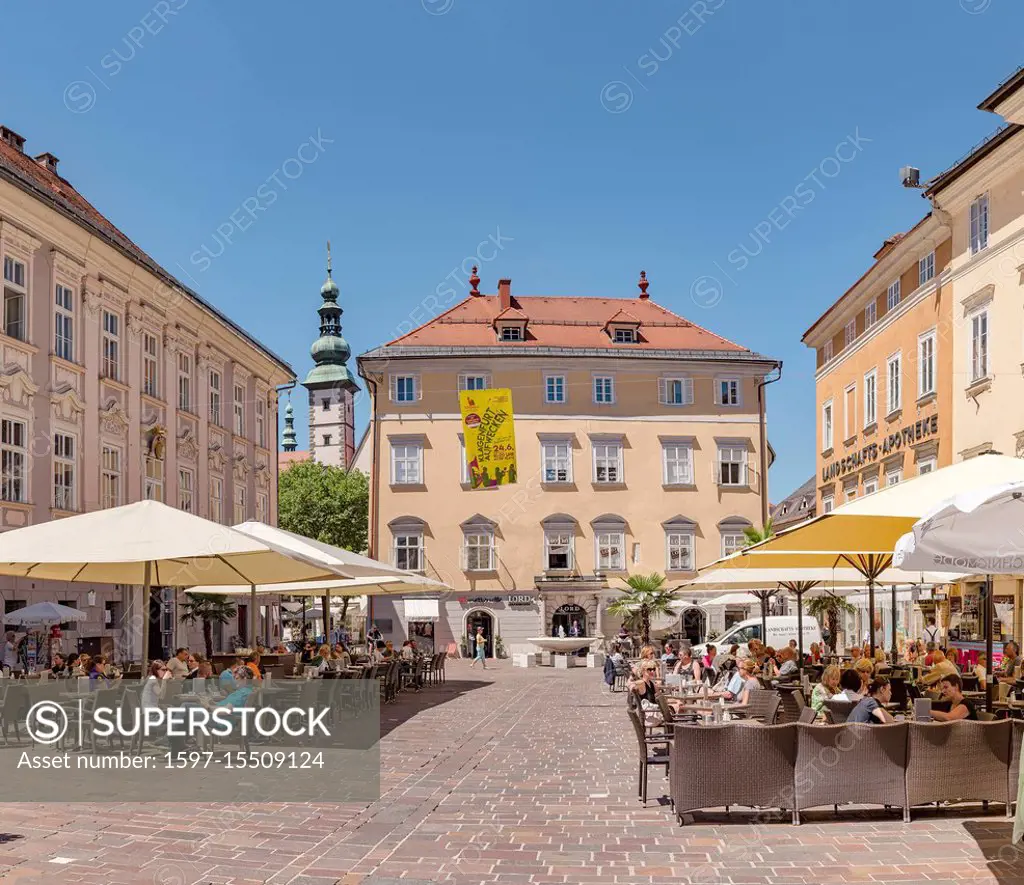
829	608
208	609
647	597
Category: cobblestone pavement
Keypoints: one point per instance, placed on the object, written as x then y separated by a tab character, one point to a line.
508	776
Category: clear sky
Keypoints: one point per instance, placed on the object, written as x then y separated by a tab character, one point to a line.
591	139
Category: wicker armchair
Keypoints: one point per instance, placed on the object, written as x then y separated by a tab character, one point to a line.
837	712
762	705
853	763
959	761
653	750
701	775
1016	748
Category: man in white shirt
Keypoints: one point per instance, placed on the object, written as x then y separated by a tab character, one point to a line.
407	651
177	666
931	632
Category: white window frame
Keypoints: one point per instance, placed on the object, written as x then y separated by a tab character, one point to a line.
849	415
978	224
405	388
607	462
828	428
185	382
214	401
677	464
478	551
605	545
978	356
870	485
261	421
850	491
741	464
870	314
511	333
894	383
152	478
216	499
111	476
603	387
469	378
553	462
406	462
893	295
240	505
828	503
682	543
14	460
150	365
64	322
675	390
262	507
871	398
65	471
15	322
624	336
554	538
827	352
186	490
728	392
732	541
926	363
407	550
927	465
110	347
556	384
926	268
893	477
849	333
238	409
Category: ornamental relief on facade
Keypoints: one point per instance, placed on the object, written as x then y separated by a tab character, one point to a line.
215	458
65	402
241	468
15	356
151	416
17	387
113	418
188	446
262	473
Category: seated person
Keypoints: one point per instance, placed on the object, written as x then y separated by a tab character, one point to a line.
788	667
850	685
750	682
323	658
871	709
826	689
952	689
940	667
865	670
981	670
252	663
687	666
670	655
1010	669
855	654
58	666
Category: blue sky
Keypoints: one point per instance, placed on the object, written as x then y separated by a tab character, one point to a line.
594	139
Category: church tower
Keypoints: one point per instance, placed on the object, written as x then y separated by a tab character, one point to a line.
331	385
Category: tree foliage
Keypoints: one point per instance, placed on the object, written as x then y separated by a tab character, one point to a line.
753	536
208	609
327	503
646	598
830	608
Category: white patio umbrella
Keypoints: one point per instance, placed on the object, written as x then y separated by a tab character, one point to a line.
980	531
149	543
44	614
352	565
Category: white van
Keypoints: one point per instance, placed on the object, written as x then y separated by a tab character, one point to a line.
781	629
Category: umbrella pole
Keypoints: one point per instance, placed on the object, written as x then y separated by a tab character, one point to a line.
871	616
764	617
800	628
146	591
894	650
989	619
253	617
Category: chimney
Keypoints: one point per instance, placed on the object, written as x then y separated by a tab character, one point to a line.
12	138
49	161
505	293
643	284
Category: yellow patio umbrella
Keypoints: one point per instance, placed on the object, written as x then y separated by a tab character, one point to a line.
863	533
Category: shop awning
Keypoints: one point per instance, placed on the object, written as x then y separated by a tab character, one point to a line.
739	599
422	610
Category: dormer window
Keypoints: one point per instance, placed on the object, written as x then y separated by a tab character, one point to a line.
511	333
625	336
623	328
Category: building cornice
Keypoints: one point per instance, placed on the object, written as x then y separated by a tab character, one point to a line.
975	174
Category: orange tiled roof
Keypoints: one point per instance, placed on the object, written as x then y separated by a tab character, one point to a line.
286	459
563	322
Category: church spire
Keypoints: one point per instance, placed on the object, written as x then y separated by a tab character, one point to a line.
288	441
330	351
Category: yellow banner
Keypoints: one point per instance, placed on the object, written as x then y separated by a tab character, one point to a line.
487	423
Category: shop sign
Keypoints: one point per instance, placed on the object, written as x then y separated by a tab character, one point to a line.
570	608
479	600
893	442
520	599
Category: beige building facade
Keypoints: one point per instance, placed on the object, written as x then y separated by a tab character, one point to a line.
117	384
638	439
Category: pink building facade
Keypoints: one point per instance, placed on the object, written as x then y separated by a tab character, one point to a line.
118	383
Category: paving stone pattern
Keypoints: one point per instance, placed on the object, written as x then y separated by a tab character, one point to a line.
519	777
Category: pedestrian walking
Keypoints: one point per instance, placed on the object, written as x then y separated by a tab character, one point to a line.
481	649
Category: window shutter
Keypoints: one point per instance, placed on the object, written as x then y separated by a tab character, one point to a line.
688	391
417	388
750	471
393	388
464	559
663	391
